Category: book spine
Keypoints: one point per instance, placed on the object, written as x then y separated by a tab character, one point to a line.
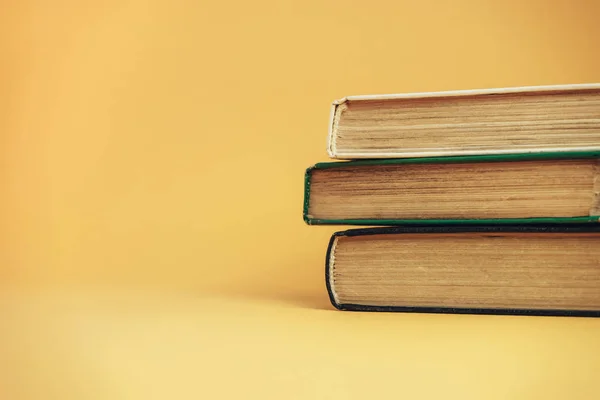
307	176
329	260
333	120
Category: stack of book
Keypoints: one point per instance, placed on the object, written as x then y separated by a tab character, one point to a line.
487	201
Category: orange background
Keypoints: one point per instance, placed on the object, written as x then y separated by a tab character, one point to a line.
152	165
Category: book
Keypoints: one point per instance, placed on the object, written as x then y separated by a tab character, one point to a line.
466	122
498	269
525	188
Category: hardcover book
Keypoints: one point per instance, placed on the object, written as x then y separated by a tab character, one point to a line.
466	122
501	269
526	188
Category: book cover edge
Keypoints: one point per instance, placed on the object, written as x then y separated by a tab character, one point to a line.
429	154
474	92
415	222
530	156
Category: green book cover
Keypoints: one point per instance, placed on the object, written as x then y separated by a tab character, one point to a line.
445	160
